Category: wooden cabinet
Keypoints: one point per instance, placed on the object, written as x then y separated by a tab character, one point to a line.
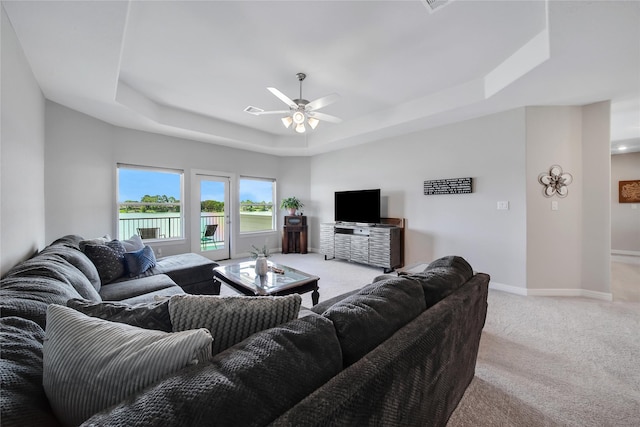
379	245
294	235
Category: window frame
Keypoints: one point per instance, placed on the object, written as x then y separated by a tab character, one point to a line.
274	212
182	214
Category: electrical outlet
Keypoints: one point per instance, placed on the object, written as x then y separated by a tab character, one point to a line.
503	206
554	205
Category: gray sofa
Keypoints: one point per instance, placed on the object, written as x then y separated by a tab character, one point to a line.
400	351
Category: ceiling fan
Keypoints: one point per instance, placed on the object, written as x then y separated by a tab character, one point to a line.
300	110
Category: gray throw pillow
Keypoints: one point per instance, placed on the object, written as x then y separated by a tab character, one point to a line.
90	364
134	243
231	319
108	259
154	315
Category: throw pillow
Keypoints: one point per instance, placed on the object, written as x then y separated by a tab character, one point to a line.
154	315
108	259
139	261
134	243
91	364
95	241
231	319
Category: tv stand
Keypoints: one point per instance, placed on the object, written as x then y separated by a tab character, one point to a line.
378	245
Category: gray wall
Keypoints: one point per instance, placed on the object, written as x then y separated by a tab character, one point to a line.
81	159
569	248
527	249
625	219
68	184
490	149
22	209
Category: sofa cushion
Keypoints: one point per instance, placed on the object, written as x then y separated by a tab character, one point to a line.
442	277
75	257
29	296
367	318
90	364
139	261
187	269
457	263
118	291
249	384
24	402
108	259
231	319
152	315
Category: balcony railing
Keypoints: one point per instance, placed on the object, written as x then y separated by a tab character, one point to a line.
168	227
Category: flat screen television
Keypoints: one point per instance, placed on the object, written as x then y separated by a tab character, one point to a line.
362	206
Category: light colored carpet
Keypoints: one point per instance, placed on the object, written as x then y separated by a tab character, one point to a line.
543	361
547	361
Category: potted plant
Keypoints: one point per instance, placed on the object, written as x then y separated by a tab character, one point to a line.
291	203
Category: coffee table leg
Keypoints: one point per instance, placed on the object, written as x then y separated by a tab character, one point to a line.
315	296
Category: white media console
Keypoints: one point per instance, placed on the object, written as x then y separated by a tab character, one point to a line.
379	245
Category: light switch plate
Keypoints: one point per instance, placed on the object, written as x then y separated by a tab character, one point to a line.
554	205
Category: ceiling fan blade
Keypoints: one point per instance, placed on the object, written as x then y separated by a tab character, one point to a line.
284	98
325	117
322	102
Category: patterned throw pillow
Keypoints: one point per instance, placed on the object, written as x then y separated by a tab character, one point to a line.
231	319
90	364
108	259
139	261
154	315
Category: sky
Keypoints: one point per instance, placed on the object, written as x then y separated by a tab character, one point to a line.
133	184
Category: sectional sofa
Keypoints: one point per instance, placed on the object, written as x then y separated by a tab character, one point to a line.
399	351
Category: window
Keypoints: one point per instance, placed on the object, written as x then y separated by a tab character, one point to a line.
256	204
150	203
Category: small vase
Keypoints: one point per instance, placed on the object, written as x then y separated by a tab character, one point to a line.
261	265
292	211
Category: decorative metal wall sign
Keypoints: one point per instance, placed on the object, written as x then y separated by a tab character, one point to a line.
448	186
629	191
555	182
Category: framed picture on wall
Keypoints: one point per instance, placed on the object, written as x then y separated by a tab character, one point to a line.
629	191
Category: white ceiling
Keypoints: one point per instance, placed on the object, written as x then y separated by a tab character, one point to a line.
189	69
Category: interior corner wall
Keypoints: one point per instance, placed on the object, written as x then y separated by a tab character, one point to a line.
490	149
79	174
566	247
22	211
625	217
596	207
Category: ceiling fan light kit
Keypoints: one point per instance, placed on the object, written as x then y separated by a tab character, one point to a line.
300	110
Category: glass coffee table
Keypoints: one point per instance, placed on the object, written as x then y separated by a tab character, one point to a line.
280	280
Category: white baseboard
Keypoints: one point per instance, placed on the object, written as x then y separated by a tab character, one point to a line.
507	288
626	257
625	253
604	296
